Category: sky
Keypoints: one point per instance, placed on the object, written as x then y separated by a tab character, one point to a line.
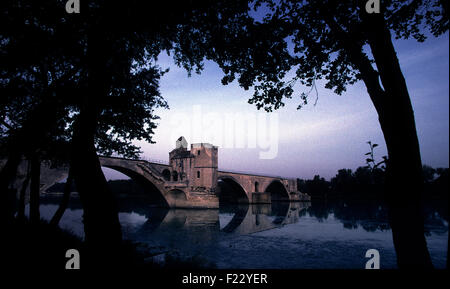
315	140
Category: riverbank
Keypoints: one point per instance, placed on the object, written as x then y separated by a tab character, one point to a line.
43	247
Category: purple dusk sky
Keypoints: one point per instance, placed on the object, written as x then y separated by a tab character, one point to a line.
318	139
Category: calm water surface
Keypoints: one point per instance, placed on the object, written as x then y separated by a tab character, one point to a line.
282	235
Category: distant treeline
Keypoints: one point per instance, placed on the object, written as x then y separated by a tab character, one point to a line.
367	183
118	187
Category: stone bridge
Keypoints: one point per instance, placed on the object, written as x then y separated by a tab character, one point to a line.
192	180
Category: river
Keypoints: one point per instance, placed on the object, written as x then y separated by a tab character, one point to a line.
302	235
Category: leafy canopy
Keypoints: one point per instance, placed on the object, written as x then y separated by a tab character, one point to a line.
326	39
127	39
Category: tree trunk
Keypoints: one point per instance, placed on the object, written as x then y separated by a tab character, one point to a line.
404	178
23	190
99	210
35	187
7	175
100	215
65	200
102	229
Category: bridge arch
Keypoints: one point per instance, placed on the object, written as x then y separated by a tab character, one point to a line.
231	191
153	192
174	176
140	170
178	197
278	191
240	213
280	210
166	174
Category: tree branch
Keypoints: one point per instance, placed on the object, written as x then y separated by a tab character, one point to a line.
368	74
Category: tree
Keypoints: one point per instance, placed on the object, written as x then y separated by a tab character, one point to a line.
318	187
344	181
104	83
340	42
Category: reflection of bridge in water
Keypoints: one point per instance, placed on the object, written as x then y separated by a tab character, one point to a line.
195	230
245	219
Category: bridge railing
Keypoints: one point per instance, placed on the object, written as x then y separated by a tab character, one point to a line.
250	173
157	161
164	162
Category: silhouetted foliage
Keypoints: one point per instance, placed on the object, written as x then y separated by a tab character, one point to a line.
439	188
363	184
317	187
367	184
55	75
371	162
